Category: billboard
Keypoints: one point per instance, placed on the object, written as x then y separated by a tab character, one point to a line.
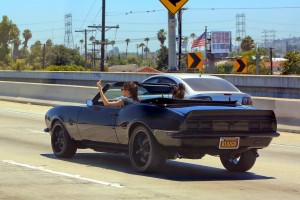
220	42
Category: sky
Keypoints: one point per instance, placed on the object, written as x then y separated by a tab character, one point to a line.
140	19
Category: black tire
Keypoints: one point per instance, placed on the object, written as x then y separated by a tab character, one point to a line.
62	145
241	163
145	153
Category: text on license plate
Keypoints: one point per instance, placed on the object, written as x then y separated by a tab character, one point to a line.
229	143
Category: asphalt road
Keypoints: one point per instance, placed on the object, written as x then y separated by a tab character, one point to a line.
28	169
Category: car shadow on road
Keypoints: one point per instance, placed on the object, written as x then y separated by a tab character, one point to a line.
174	170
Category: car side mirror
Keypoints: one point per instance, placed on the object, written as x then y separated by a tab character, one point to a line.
89	103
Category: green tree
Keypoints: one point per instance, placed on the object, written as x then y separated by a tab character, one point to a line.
27	36
134	60
247	44
292	65
161	36
225	68
66	56
35	56
9	33
162	58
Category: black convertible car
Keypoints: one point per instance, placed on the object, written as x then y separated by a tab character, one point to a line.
161	128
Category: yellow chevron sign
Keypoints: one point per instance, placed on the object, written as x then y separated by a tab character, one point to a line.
173	5
240	65
195	60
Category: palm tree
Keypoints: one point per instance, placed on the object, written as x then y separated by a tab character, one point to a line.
106	44
193	35
127	42
247	44
146	40
81	43
142	45
92	38
147	50
186	40
161	36
16	43
27	36
112	43
238	39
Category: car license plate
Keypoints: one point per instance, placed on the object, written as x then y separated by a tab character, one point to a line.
229	143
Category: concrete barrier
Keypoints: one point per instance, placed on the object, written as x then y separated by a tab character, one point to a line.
65	93
256	85
286	110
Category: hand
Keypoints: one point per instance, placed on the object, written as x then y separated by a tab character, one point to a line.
99	84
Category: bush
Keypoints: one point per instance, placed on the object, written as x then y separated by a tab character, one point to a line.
65	68
20	64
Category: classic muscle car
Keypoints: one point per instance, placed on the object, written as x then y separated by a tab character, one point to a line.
160	128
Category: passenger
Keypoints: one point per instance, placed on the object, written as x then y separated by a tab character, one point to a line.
178	91
129	92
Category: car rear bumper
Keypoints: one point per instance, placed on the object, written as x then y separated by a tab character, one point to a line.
179	139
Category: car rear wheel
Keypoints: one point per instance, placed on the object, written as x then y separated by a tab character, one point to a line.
240	163
62	144
144	151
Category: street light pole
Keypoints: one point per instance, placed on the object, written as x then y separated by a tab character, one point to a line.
271	59
44	54
257	60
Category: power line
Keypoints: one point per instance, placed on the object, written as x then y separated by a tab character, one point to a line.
135	12
247	8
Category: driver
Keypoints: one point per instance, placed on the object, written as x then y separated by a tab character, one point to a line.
129	92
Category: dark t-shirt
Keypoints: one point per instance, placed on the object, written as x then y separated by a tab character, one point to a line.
127	101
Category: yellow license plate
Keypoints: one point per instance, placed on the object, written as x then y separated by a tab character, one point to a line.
229	143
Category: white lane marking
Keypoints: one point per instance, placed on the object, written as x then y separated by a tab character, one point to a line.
33	131
284	145
20	112
117	185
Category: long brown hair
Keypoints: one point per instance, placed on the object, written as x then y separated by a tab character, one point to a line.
178	92
133	89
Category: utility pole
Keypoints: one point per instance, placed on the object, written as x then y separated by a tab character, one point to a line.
179	37
103	27
205	49
44	54
85	45
257	61
172	42
103	36
271	59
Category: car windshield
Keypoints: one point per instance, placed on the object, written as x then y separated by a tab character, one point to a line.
206	84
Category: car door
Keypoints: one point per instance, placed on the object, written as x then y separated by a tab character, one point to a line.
97	123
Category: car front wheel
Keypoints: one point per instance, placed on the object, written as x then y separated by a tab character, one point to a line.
240	163
62	144
144	151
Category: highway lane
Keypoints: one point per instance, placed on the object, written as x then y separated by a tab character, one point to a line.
28	169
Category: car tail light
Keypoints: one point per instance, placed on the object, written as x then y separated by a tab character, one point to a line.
247	101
